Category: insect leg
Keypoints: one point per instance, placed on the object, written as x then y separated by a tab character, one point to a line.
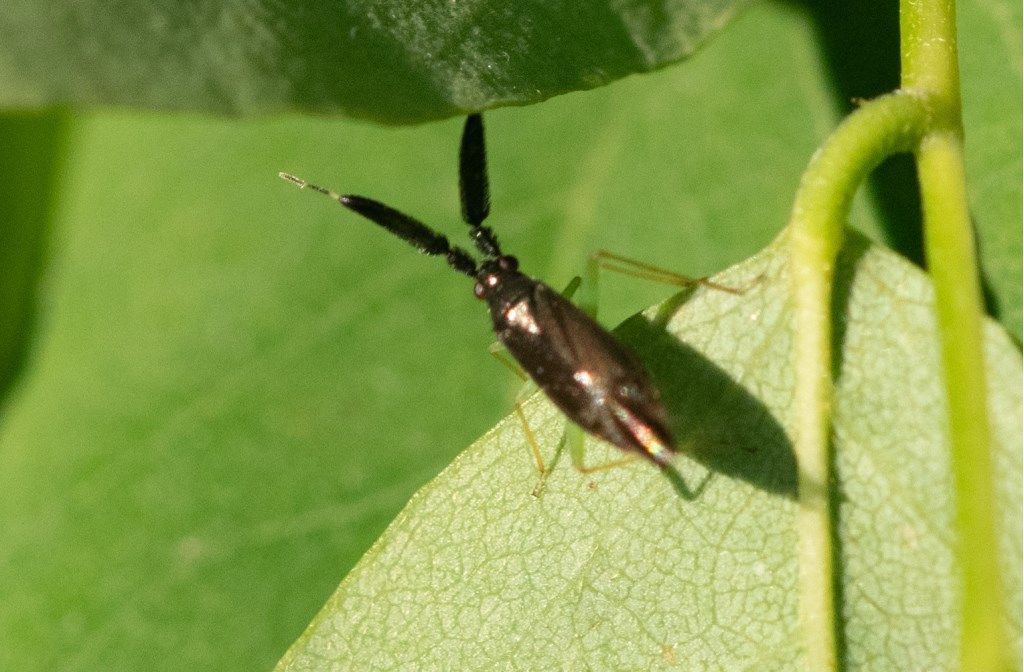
531	441
609	261
575	437
572	287
587	285
499	353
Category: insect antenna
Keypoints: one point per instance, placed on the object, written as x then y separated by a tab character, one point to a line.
405	227
473	188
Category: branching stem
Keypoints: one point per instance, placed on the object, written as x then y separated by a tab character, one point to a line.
924	117
881	127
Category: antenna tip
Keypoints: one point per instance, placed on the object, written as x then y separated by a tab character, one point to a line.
297	181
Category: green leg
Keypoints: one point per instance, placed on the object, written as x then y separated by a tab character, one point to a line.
576	439
528	388
570	289
608	261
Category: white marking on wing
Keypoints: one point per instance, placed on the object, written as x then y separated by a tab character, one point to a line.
519	316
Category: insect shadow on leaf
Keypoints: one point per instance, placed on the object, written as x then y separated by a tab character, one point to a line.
594	379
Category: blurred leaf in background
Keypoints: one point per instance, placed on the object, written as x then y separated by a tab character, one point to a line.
233	387
400	62
393	61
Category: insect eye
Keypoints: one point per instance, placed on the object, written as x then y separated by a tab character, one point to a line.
479	290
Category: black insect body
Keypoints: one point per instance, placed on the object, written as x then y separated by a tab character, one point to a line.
594	379
588	374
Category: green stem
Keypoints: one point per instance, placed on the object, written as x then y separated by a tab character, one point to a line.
929	62
881	127
924	115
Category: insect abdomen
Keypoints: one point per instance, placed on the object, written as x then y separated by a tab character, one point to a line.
588	374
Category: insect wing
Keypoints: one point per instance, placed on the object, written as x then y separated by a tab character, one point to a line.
584	347
597	381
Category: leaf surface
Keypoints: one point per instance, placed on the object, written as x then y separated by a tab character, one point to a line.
232	387
620	571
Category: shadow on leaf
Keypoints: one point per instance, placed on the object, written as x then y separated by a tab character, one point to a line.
31	144
716	421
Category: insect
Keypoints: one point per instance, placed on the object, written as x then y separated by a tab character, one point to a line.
595	380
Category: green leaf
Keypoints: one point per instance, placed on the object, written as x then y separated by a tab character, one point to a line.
991	81
412	61
619	571
395	61
233	387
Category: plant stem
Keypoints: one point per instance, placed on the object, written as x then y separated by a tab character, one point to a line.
929	63
892	123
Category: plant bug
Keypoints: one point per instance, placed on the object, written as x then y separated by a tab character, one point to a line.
595	380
